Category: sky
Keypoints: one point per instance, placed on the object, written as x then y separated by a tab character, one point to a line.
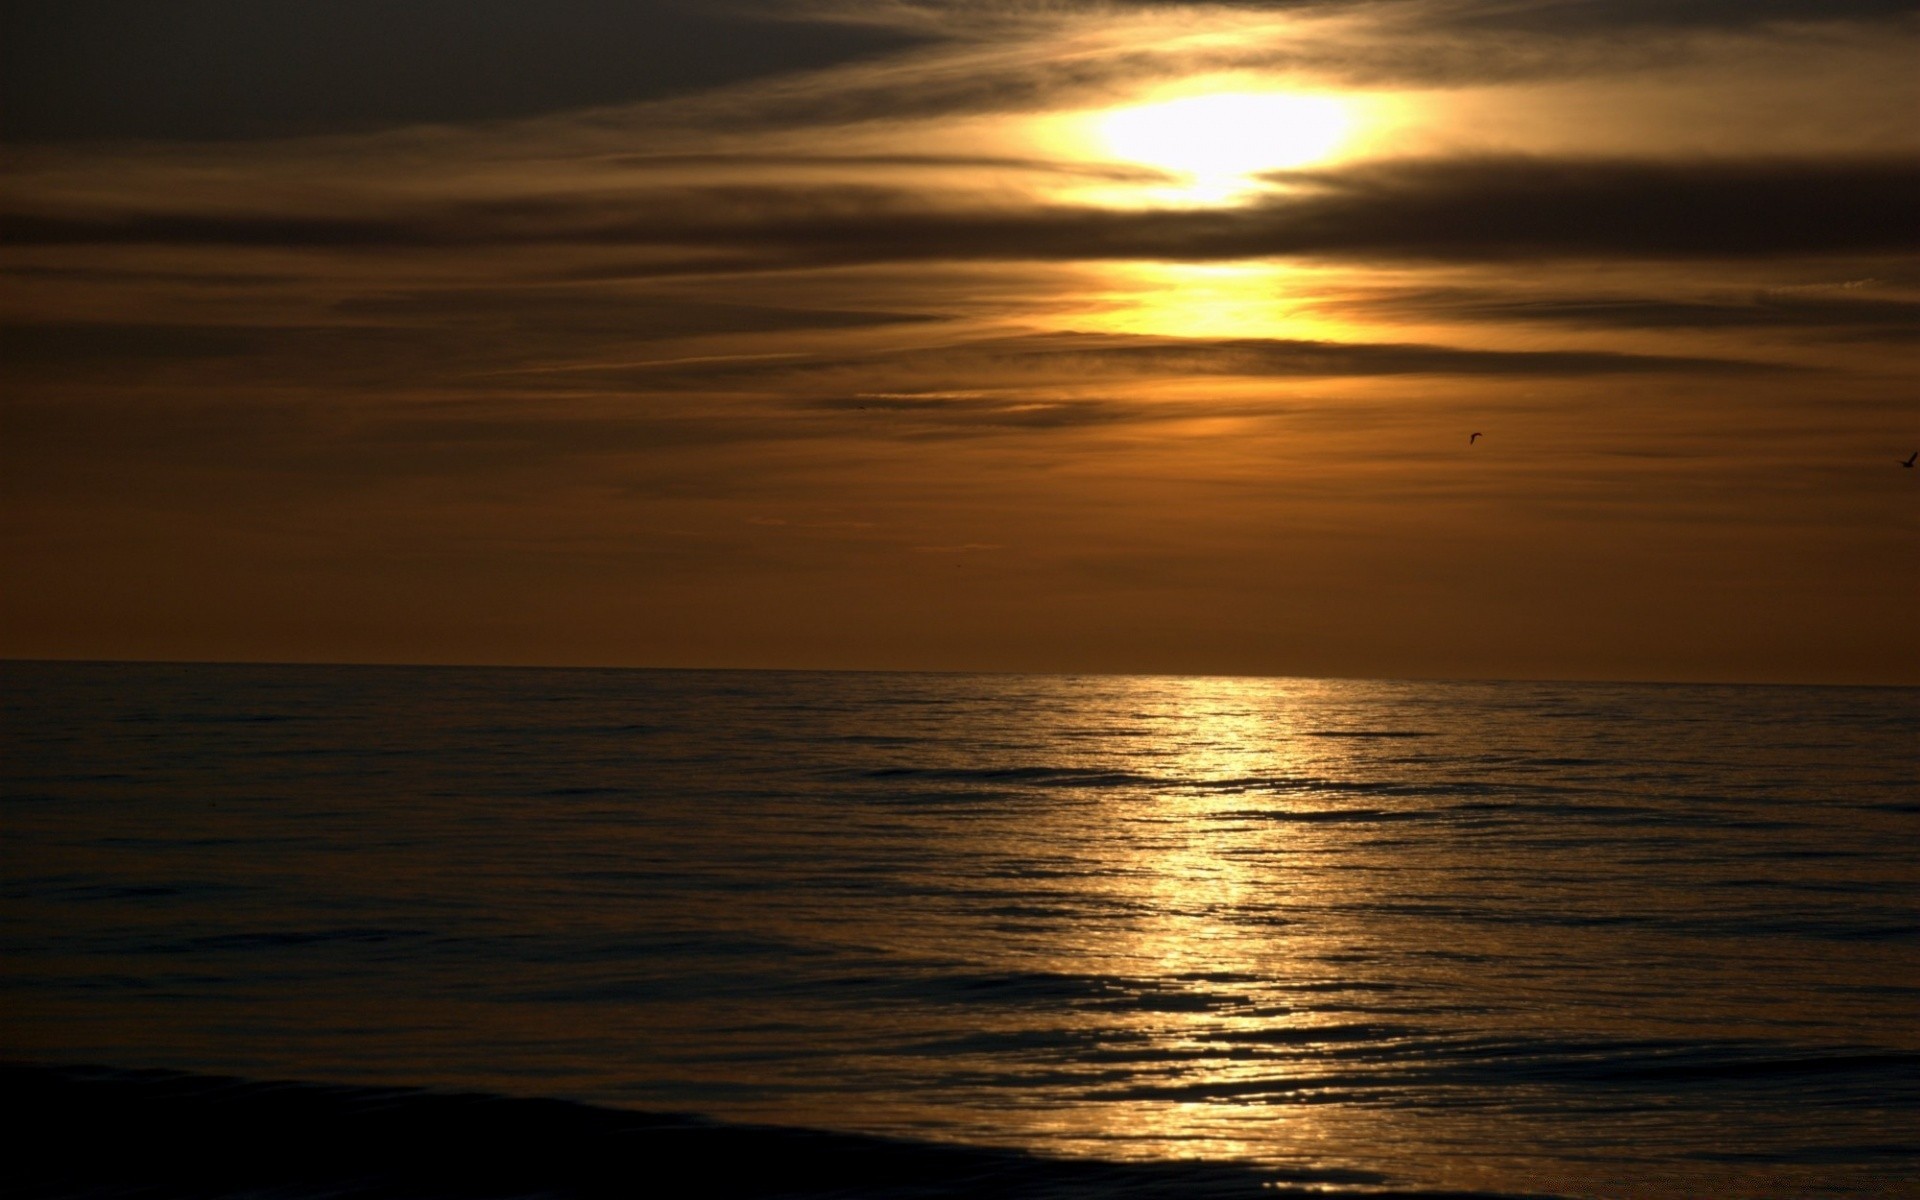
1039	335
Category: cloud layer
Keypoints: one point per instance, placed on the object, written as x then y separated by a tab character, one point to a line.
834	335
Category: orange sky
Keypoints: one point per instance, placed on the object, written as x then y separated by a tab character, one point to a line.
1069	336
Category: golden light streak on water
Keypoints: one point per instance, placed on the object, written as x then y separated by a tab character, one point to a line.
1201	875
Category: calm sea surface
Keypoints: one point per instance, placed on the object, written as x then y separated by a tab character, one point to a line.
1568	938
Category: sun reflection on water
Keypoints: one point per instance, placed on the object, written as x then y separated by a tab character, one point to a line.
1209	882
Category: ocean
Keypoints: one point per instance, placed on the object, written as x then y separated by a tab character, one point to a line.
998	934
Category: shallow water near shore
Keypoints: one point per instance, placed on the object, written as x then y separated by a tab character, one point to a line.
1577	939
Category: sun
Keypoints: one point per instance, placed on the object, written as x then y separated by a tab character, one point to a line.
1220	141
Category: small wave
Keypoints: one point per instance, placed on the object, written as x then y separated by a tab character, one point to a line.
1045	776
138	891
1351	1033
274	939
1665	1065
1047	989
1367	733
1708	1069
230	718
1415	1075
1875	933
1359	816
1830	1155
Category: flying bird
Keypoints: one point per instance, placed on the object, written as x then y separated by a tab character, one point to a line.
1476	437
1909	459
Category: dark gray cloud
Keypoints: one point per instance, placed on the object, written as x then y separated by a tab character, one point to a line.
32	347
1831	311
1494	208
227	69
596	313
1605	16
234	355
1587	16
216	69
398	338
1115	171
948	416
1466	210
1293	357
1067	360
1391	44
979	383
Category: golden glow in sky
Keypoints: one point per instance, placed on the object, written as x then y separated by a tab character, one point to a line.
1075	336
1223	300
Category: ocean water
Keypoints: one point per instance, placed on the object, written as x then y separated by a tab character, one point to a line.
1567	939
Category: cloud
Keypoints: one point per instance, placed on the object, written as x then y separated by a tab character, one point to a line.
1601	17
1584	16
594	313
222	69
1019	56
235	69
1831	312
1484	209
466	338
1496	208
1039	379
751	160
1271	357
62	346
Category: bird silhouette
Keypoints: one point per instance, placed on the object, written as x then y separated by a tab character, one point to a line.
1476	437
1908	462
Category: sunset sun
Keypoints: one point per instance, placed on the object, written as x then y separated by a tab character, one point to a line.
1220	141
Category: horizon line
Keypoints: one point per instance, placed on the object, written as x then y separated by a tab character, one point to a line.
10	660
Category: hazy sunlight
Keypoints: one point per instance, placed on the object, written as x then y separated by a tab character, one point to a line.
1220	141
1219	300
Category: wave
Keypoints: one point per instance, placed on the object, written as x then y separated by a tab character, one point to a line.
171	1134
1361	1062
1040	775
1368	733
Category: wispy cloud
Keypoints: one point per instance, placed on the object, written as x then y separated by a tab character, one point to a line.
1831	312
1471	209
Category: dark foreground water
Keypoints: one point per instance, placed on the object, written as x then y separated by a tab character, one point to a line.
1520	938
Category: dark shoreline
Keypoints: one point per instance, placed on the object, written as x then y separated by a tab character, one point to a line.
99	1131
